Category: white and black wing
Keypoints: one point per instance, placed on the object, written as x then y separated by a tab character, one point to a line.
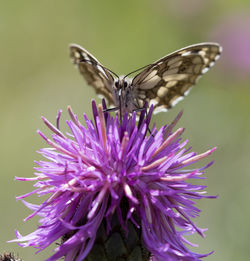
167	80
94	73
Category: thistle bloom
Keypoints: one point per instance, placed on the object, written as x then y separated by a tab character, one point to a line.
90	171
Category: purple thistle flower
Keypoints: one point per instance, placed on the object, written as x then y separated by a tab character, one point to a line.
88	172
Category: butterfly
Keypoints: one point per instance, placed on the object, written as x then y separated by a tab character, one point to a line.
161	84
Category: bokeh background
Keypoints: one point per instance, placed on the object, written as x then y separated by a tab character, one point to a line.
37	78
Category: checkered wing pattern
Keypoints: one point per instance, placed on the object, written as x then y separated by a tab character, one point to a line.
93	71
168	80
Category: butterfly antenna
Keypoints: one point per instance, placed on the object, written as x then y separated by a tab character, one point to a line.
110	71
136	71
104	68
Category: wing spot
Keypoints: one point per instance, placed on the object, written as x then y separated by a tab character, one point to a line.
171	71
175	100
175	77
196	60
171	84
176	64
187	92
150	83
162	92
211	64
153	102
150	75
206	60
141	103
204	70
197	78
77	55
217	57
174	60
197	69
161	108
202	53
142	95
186	53
84	55
100	69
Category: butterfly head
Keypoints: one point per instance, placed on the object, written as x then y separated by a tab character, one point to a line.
121	84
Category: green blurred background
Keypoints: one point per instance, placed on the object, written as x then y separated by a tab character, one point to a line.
37	78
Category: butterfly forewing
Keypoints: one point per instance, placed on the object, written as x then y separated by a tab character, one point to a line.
95	74
168	80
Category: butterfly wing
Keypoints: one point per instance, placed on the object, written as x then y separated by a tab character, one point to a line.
168	80
94	73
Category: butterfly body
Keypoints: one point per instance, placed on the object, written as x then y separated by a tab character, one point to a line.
161	84
124	95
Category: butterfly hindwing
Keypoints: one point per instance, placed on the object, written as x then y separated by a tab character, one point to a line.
168	80
95	74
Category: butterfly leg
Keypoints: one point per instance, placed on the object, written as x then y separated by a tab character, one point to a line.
111	109
139	109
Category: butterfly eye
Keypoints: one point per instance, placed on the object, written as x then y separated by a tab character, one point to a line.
125	84
116	84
